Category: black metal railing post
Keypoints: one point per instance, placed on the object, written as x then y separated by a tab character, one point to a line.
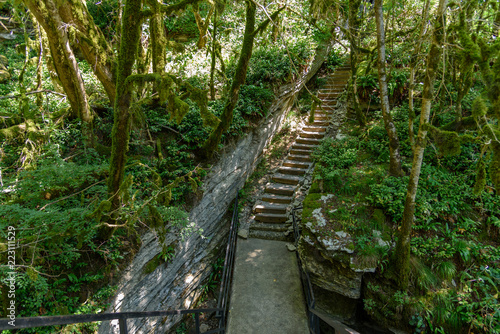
122	323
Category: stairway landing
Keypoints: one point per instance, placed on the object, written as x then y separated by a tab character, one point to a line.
266	294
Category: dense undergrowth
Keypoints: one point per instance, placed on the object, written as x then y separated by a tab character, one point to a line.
54	188
455	250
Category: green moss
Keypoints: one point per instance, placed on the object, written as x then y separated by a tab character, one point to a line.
448	142
479	108
315	188
152	264
311	202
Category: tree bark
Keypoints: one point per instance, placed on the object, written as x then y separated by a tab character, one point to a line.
91	41
413	64
158	42
214	57
402	255
130	36
395	156
47	14
240	74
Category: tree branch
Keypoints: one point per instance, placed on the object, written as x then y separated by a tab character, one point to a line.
31	93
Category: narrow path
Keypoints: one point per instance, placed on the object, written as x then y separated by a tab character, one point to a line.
267	294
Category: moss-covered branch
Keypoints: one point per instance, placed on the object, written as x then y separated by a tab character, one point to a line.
266	22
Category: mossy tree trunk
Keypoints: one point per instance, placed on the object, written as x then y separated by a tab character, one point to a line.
202	24
353	36
395	156
130	36
91	41
47	14
402	254
239	79
413	64
158	41
214	56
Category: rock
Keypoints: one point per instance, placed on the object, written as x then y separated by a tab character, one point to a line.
330	258
204	328
243	233
7	36
291	247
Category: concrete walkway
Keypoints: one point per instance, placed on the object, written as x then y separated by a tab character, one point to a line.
266	295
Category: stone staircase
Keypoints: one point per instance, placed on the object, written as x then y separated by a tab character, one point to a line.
271	220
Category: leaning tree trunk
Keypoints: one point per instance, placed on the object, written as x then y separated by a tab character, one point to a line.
395	156
47	15
239	79
402	255
130	36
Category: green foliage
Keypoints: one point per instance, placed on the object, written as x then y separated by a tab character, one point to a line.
254	101
334	59
105	14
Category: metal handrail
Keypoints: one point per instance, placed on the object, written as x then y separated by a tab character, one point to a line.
31	322
227	274
221	310
306	281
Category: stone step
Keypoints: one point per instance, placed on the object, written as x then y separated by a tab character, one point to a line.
271	217
286	179
314	128
292	170
303	147
270	208
330	95
325	123
329	101
268	235
272	198
306	134
332	89
299	157
321	118
308	141
276	227
296	164
300	152
280	189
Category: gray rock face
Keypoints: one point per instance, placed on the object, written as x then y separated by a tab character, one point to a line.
330	259
174	285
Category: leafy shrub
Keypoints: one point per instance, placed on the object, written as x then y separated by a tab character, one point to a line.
254	100
440	195
334	157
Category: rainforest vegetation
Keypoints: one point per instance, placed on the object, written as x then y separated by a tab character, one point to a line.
113	112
